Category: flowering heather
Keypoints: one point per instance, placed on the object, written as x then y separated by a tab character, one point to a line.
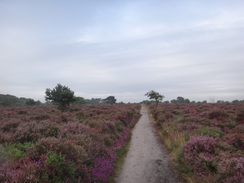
235	140
199	152
232	170
198	144
102	169
206	141
75	146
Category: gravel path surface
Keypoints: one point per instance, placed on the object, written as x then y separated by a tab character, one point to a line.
146	160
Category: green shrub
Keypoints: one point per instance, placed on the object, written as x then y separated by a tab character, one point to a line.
71	151
227	125
179	118
17	151
3	155
59	169
212	132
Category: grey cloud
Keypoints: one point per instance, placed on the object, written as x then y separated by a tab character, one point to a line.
124	48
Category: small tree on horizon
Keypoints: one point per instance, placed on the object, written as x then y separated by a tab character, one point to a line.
61	96
155	95
110	100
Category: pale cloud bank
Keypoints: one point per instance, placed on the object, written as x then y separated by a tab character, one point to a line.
123	48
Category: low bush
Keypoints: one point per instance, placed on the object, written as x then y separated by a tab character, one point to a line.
199	154
32	131
24	170
59	169
232	170
3	155
17	151
212	132
235	140
10	125
48	168
64	147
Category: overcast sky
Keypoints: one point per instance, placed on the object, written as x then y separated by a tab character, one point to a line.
124	48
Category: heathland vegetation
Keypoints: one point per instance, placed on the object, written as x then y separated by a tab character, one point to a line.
43	144
83	143
7	100
61	95
205	141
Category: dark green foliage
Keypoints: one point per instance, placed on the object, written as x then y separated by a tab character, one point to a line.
60	168
219	115
10	100
71	151
61	96
110	100
180	100
212	132
30	102
79	101
3	155
155	96
17	151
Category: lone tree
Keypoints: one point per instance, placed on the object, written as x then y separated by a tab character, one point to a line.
61	96
155	95
110	100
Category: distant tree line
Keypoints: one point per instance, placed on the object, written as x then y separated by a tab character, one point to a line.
11	100
234	101
180	100
94	101
63	96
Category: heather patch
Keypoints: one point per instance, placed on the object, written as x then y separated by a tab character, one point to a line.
199	154
205	140
41	144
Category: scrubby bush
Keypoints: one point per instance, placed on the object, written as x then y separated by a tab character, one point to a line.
232	170
102	169
64	147
212	132
3	155
24	170
32	131
73	128
9	125
235	141
48	168
240	117
219	115
17	151
60	169
199	154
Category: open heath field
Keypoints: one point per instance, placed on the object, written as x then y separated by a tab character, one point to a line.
205	141
42	144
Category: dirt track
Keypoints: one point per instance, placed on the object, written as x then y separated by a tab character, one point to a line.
146	160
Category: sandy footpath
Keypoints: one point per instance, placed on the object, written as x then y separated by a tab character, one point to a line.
146	160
